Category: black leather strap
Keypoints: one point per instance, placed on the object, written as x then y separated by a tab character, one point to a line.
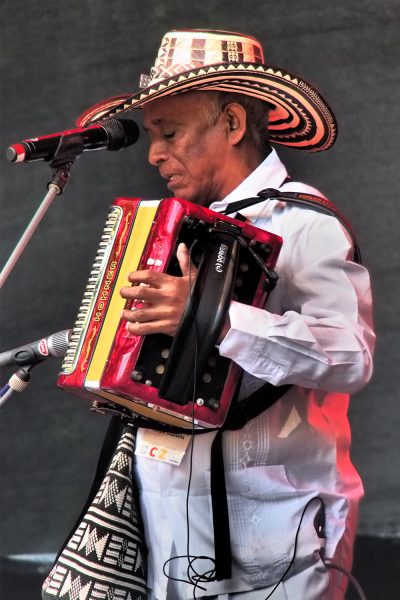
312	201
203	318
252	406
219	501
238	416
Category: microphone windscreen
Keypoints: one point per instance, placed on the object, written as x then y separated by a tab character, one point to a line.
121	133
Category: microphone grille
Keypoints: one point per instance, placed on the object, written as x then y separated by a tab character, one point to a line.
58	343
11	154
121	133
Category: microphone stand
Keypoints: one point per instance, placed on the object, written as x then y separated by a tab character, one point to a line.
18	382
69	149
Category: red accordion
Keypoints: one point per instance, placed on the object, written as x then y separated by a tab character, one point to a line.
180	381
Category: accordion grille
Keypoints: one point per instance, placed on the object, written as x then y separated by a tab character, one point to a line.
91	291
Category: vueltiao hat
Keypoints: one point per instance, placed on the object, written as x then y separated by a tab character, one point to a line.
194	60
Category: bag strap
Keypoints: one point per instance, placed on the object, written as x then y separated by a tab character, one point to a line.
312	201
110	442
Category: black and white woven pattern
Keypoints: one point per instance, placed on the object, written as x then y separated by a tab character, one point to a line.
104	558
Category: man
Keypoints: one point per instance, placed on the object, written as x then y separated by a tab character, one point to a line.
290	465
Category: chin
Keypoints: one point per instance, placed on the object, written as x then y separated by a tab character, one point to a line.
188	196
192	196
201	200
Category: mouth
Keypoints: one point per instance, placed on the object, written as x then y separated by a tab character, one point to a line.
172	180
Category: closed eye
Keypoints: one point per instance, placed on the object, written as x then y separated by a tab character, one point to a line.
169	135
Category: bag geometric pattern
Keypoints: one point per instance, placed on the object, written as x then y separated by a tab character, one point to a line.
105	558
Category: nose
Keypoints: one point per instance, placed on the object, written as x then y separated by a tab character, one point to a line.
157	153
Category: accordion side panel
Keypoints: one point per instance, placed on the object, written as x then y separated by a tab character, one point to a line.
141	226
100	290
87	323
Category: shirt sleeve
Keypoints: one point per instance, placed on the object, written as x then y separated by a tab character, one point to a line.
316	330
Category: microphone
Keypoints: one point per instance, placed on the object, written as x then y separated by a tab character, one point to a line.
55	345
113	134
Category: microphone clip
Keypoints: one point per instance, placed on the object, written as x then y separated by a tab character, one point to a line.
69	149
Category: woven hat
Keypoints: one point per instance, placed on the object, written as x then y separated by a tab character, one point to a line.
195	60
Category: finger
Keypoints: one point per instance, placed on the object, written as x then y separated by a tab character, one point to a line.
147	276
142	315
140	292
150	327
183	257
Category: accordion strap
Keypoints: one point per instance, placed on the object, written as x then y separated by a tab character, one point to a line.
312	201
204	316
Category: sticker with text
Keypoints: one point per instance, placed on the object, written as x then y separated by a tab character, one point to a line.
158	445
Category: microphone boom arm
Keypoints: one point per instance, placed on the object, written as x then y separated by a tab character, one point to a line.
69	149
28	233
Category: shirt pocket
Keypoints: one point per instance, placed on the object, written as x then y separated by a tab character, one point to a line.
265	512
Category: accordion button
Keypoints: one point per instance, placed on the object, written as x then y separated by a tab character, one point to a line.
137	375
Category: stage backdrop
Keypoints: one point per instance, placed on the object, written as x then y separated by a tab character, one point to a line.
58	57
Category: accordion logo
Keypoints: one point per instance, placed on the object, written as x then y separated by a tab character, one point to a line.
219	265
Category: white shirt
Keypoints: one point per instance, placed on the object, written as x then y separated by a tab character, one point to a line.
315	333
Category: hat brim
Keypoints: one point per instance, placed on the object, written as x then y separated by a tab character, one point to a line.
300	117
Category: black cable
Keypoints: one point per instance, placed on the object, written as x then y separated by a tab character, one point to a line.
295	543
202	577
328	564
193	577
331	565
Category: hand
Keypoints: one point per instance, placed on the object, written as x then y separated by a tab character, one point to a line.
162	298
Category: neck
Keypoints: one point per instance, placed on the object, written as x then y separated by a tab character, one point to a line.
246	161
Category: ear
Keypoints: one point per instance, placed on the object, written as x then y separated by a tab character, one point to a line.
237	122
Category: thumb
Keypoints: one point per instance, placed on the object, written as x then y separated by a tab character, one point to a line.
183	257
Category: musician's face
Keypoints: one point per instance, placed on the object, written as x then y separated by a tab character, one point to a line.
190	144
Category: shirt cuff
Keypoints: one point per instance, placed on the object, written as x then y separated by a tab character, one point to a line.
248	329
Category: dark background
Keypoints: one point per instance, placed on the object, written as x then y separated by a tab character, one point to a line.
59	57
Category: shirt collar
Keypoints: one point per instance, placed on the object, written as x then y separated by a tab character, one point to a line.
271	173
